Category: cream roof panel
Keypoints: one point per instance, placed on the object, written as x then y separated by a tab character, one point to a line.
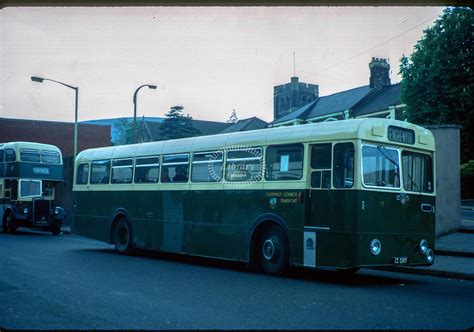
178	146
124	151
248	138
29	145
334	130
208	143
345	129
286	134
149	149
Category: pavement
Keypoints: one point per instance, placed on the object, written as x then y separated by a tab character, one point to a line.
454	253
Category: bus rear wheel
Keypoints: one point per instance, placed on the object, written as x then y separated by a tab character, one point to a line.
273	250
123	237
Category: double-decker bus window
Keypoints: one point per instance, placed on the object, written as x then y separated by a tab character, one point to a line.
343	169
30	188
244	164
2	153
207	166
147	170
122	171
380	166
284	162
50	157
321	164
10	155
175	168
82	175
30	155
417	172
11	189
100	172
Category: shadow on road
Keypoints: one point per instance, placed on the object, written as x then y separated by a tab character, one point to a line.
361	278
29	232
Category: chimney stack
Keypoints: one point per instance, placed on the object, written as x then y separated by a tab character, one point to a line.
379	73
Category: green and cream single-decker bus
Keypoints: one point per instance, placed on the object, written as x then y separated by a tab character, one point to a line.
342	194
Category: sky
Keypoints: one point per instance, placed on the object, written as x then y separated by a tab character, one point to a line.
210	60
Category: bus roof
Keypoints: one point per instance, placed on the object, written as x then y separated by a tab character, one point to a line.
372	129
29	145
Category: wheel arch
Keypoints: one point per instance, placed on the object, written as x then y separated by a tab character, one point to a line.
257	229
116	216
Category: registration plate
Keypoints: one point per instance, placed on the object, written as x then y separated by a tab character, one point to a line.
399	260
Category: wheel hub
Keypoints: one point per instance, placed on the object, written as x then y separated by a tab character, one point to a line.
123	236
269	249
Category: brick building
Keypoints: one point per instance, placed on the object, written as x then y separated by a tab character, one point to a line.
60	134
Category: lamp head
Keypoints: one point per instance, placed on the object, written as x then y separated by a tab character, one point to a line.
152	86
37	79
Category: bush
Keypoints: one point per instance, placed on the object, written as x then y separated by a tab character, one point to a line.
467	180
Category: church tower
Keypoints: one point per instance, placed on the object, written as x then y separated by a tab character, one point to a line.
291	96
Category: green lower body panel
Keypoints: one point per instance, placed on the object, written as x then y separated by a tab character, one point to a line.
324	228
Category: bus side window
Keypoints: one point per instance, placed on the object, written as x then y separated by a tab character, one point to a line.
122	171
175	168
147	169
244	164
10	155
82	175
321	165
207	166
100	172
343	169
2	153
284	162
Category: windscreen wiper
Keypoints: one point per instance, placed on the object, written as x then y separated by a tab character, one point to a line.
383	151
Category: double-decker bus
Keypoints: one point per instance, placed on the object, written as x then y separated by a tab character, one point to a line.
343	194
29	175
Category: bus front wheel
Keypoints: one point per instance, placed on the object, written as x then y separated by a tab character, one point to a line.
9	225
56	227
123	237
273	250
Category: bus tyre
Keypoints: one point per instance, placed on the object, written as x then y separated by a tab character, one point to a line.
273	250
123	237
9	223
56	227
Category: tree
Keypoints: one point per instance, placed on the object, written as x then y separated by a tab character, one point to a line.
438	78
177	125
233	117
124	128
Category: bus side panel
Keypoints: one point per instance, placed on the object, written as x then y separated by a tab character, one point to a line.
92	219
333	216
214	223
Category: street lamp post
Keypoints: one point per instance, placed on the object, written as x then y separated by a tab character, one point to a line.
76	89
135	109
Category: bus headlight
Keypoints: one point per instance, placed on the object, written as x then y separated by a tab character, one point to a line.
25	211
429	256
56	211
375	247
423	246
